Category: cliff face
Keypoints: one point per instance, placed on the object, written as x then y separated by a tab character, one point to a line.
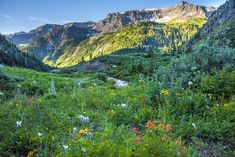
223	14
180	12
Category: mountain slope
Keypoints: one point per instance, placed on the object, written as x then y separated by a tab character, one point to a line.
10	55
24	38
165	37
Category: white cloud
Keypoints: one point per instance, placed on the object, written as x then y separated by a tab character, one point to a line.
218	3
32	18
7	16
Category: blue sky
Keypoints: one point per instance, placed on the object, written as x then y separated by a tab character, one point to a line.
25	15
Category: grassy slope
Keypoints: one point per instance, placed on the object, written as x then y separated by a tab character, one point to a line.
164	36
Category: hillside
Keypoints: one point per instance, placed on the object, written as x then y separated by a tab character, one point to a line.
165	37
10	55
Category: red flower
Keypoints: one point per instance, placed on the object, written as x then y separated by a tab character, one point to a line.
150	124
168	128
137	139
177	142
134	130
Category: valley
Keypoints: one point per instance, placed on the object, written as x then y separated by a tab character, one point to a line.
151	82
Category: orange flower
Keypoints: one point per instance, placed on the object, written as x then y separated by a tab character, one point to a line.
163	139
161	125
182	151
134	130
168	128
150	124
137	139
177	142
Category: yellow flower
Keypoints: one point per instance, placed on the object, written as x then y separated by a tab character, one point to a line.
84	131
31	153
164	92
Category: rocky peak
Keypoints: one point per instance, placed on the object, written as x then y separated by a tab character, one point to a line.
180	12
183	2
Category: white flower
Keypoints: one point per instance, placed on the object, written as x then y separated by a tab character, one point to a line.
83	150
34	82
40	134
123	105
194	126
18	123
190	83
194	68
1	93
75	130
66	147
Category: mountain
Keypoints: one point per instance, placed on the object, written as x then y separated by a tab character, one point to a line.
53	44
163	37
180	12
73	43
11	55
24	38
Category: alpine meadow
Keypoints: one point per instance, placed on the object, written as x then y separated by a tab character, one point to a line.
138	83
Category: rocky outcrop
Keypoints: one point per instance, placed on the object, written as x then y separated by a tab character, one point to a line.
223	14
180	12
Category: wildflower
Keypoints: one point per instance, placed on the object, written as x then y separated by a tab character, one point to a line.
164	92
18	123
39	135
190	83
31	153
168	128
84	150
75	130
134	130
84	119
66	147
177	142
150	124
1	93
161	125
194	126
84	131
123	105
137	139
194	68
52	90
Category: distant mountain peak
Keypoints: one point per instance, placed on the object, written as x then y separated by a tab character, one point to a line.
183	2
